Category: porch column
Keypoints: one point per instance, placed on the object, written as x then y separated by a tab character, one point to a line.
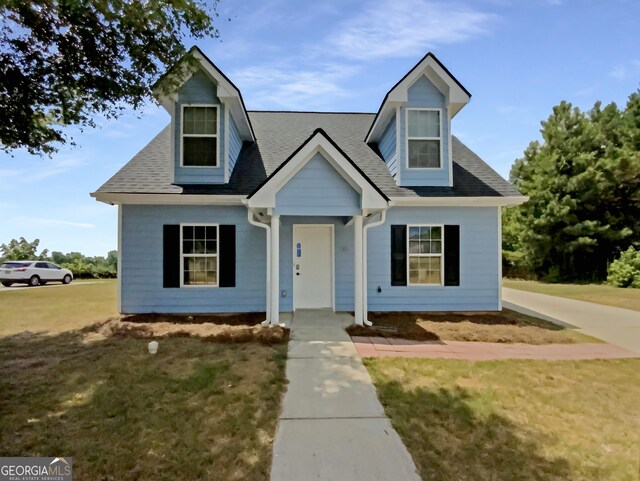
358	275
275	270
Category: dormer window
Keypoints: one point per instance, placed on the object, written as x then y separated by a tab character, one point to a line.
200	124
424	138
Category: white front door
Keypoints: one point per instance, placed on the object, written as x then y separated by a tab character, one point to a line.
312	266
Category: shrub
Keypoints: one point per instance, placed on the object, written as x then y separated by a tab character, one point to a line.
625	270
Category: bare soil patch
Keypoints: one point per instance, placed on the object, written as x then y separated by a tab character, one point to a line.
506	326
206	328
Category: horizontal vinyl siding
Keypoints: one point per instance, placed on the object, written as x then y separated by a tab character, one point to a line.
317	189
387	146
423	94
235	144
344	258
199	89
478	290
142	263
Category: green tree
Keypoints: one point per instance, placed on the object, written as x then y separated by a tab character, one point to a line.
583	181
64	61
19	250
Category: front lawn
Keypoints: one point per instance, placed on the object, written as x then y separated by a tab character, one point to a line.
515	420
195	410
56	308
598	293
507	327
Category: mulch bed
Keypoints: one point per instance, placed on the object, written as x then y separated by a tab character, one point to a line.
210	328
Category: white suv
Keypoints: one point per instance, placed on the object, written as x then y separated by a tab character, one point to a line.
34	273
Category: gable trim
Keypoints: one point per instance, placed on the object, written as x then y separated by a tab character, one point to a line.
406	77
265	192
227	89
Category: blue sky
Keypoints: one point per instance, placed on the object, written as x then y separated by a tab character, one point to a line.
517	58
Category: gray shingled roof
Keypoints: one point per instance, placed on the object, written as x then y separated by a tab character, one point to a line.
278	135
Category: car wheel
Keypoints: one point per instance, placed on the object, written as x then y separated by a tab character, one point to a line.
7	284
66	279
34	281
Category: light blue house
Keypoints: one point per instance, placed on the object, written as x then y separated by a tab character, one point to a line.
229	210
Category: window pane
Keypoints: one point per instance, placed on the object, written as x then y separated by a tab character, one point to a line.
187	232
198	247
414	247
424	153
199	232
187	246
200	120
211	247
425	270
200	271
189	118
436	232
211	121
211	277
424	123
199	151
414	276
211	232
436	247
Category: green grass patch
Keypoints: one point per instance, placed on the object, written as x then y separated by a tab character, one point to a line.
515	420
195	410
56	309
598	293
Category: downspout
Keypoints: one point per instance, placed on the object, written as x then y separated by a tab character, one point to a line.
267	227
365	305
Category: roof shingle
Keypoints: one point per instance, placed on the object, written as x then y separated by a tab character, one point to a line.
278	134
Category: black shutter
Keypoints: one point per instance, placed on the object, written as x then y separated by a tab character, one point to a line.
171	256
227	255
398	255
451	255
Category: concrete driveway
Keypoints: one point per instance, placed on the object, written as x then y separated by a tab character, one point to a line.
611	324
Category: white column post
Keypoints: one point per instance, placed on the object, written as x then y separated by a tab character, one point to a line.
358	274
275	270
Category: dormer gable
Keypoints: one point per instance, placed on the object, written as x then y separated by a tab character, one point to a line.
209	121
412	128
429	66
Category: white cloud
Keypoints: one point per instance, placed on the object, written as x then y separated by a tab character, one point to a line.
401	28
622	72
299	89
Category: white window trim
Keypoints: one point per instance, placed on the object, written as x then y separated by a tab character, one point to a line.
406	137
217	136
441	255
182	255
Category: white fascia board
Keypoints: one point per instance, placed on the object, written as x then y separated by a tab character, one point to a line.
457	201
167	199
266	196
226	92
457	97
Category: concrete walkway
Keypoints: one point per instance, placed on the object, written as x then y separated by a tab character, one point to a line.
484	351
332	426
611	324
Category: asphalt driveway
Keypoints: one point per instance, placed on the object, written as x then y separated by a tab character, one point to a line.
611	324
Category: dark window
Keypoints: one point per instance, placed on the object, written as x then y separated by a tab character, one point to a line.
42	265
424	138
200	255
200	137
15	265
